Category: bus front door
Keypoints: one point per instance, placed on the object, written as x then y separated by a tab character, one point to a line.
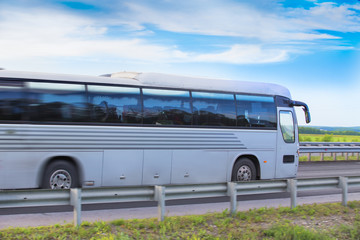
287	160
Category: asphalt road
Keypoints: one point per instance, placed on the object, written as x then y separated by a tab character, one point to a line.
329	169
306	170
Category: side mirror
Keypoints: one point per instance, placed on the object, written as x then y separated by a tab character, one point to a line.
305	108
307	115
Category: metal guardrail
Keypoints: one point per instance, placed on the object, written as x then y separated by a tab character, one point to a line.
77	197
343	144
330	148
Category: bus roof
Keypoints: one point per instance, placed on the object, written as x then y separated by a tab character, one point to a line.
160	80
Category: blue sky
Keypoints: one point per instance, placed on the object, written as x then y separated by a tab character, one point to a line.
312	47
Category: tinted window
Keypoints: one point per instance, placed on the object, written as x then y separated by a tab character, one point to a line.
214	109
11	100
114	104
166	107
57	102
256	111
283	101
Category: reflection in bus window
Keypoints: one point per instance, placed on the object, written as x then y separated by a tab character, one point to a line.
256	111
114	104
11	100
57	102
214	109
166	107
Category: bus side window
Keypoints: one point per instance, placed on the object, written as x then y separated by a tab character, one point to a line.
12	100
166	107
114	104
214	109
57	102
256	111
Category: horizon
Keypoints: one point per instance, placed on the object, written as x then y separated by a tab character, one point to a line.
311	47
328	126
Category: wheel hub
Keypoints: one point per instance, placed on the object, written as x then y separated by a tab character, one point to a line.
60	179
244	173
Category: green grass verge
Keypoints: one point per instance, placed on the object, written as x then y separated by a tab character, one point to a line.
328	138
339	157
317	221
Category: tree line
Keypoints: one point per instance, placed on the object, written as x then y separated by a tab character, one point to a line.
310	130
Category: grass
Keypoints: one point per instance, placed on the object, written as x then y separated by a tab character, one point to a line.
328	138
317	221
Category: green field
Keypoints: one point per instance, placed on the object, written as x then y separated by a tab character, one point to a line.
317	221
328	138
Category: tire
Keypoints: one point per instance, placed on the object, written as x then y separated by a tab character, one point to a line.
244	170
60	175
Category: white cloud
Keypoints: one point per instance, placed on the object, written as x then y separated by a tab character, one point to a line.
241	19
245	54
53	32
328	16
44	32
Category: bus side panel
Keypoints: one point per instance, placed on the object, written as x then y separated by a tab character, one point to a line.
157	167
90	166
199	166
19	169
267	161
260	144
265	158
122	167
24	169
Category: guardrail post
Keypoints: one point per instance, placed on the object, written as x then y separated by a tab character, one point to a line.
343	184
160	198
292	188
75	201
232	193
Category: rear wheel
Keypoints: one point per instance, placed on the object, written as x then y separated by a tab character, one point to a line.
60	175
244	170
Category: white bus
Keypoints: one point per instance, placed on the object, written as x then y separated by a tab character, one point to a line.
127	129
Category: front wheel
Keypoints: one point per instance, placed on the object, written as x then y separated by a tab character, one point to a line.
244	170
60	175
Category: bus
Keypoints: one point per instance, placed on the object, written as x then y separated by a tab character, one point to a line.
63	131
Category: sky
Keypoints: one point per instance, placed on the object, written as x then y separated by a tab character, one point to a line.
311	47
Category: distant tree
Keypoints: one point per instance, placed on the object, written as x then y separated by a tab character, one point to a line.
327	138
310	130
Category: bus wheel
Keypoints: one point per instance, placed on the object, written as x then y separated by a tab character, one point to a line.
60	175
244	170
